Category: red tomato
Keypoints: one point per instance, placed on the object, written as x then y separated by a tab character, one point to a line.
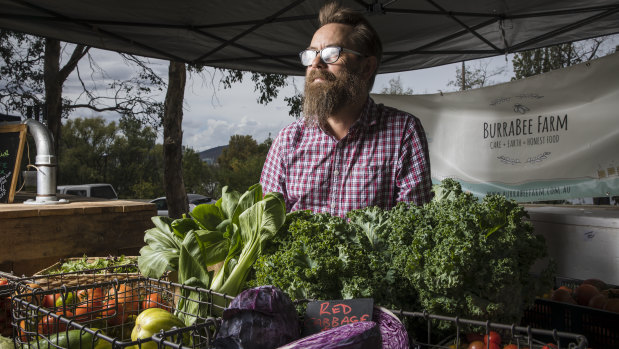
154	300
493	337
4	281
82	313
550	346
482	345
49	301
49	324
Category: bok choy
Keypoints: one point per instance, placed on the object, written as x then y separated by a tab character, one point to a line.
233	231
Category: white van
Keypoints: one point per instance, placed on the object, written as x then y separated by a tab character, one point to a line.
96	190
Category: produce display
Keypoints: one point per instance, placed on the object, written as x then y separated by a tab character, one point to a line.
456	256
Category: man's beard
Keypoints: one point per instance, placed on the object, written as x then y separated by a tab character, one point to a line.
331	95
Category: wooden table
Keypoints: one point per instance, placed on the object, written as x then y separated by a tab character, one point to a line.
33	237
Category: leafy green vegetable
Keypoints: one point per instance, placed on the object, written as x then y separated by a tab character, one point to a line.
455	256
324	257
120	264
232	231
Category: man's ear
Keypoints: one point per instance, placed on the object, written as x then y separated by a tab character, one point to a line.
369	67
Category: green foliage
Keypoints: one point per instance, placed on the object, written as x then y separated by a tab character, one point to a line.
240	164
542	60
267	84
125	155
455	256
475	75
396	88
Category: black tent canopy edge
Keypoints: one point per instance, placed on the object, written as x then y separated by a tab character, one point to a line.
240	40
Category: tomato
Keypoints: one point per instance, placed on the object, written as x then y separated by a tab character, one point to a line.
482	345
493	337
154	300
550	346
584	292
598	301
562	295
4	281
92	298
49	301
49	324
82	313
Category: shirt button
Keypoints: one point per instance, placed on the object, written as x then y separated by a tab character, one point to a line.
336	172
332	205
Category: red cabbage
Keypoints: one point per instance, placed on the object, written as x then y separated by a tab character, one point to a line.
356	335
258	318
392	330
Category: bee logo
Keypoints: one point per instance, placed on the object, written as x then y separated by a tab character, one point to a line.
519	108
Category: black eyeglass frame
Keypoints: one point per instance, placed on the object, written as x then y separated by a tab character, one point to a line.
319	52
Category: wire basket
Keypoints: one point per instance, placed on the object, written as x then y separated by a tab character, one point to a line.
108	313
522	337
114	324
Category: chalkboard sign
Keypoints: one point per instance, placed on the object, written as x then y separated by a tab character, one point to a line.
12	140
324	315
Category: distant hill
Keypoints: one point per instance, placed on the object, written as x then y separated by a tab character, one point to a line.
210	155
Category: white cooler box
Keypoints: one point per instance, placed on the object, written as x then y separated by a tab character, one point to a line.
584	241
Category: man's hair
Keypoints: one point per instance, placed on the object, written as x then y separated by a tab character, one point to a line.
364	36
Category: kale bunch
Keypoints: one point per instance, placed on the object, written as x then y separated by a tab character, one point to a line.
455	256
318	256
470	258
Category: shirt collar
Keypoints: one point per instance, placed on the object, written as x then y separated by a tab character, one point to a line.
367	117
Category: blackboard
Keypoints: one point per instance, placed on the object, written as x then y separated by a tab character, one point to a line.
12	140
324	315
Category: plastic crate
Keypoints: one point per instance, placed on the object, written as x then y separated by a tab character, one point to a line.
599	326
113	323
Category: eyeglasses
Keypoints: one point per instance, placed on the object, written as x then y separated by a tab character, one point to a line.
328	55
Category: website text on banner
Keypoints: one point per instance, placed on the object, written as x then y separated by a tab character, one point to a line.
549	137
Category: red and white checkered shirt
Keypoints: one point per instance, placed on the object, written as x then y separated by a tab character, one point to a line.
382	160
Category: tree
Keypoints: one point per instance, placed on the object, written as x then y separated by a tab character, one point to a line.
123	154
240	164
542	60
84	147
35	69
475	76
135	159
198	176
395	88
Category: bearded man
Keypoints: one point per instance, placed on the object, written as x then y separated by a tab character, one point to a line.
347	152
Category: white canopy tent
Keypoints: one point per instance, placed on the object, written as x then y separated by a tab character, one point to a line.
265	36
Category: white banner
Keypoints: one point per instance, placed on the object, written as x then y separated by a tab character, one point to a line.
547	137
